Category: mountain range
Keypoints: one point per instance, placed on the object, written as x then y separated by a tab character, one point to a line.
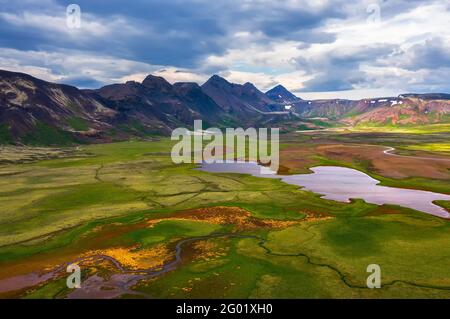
33	111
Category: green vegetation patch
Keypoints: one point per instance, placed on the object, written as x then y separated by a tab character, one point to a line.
45	135
86	195
170	229
61	205
5	135
78	124
402	128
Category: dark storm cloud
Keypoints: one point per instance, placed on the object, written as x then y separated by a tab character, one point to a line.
177	33
433	54
162	33
290	24
146	35
340	70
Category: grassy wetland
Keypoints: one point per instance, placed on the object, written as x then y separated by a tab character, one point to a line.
175	232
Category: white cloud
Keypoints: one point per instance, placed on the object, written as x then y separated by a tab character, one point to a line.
292	80
372	58
356	94
64	65
265	61
53	25
181	75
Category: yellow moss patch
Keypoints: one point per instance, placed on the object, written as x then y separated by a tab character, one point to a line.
136	259
314	217
224	215
209	250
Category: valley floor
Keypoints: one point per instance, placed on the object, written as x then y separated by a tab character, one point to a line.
140	226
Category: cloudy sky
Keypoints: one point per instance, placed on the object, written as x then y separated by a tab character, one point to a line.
316	48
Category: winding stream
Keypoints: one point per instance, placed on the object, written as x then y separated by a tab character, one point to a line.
389	151
331	182
118	284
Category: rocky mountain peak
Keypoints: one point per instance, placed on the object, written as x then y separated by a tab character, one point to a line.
280	94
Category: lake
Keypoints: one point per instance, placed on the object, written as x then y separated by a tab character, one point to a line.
342	184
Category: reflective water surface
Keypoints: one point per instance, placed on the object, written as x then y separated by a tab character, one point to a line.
342	184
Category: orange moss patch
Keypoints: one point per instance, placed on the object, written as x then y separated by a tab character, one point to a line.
224	215
135	259
208	250
316	216
100	239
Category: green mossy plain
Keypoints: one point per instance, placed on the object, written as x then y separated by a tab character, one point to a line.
51	206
